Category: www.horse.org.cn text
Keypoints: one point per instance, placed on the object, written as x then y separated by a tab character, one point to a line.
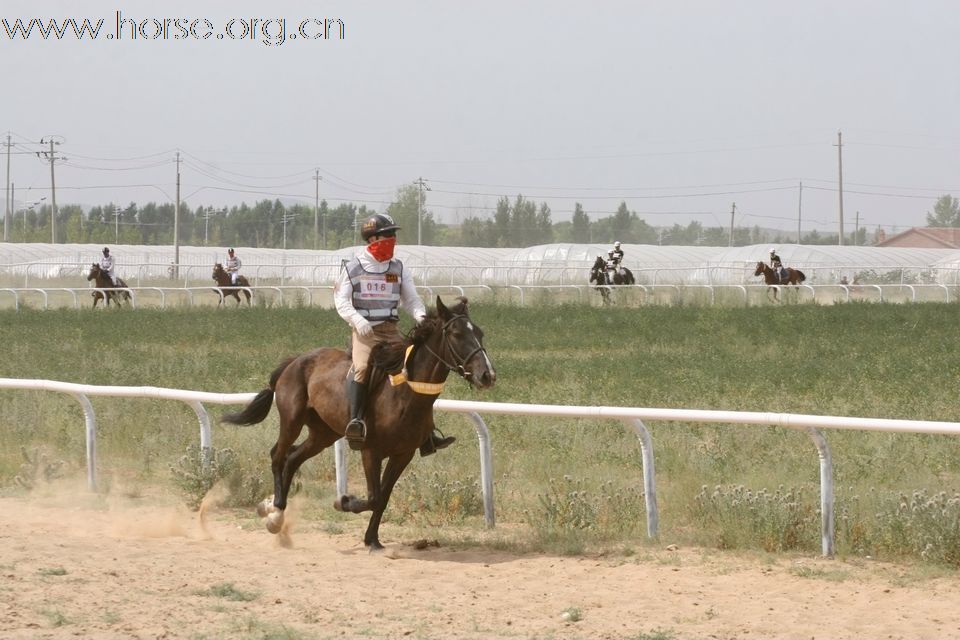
268	31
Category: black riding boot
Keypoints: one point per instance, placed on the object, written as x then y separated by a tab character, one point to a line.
436	441
356	431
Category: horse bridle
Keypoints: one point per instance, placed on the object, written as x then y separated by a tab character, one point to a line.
445	345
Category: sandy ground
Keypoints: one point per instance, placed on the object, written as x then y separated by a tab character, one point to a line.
74	568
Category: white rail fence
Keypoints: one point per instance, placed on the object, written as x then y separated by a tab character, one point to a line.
311	295
633	417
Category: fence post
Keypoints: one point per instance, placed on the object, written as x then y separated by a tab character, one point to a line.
826	491
649	478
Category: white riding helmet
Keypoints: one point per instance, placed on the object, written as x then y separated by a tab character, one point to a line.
616	244
773	249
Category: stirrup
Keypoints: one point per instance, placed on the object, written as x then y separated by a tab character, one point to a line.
355	433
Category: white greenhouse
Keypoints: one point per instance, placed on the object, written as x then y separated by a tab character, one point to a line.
543	265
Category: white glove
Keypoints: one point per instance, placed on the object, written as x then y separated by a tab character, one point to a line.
363	326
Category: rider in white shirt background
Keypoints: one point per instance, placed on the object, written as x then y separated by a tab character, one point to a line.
232	265
106	265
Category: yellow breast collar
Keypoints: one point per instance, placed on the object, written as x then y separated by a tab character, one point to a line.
426	388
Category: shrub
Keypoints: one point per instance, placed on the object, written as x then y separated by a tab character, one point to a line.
741	517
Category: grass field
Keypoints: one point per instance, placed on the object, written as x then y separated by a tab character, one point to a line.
565	484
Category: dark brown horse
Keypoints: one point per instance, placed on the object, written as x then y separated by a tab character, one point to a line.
116	292
793	277
311	389
227	288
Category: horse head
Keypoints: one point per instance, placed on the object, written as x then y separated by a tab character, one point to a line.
760	268
596	271
94	272
460	345
217	270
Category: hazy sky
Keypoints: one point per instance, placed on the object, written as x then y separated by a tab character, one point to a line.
678	108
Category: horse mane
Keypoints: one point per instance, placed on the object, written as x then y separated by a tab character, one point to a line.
387	357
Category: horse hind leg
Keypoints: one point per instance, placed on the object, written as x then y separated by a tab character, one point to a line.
286	461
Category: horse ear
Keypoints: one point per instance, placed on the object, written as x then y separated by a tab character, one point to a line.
441	308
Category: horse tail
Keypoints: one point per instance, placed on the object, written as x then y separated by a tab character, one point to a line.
800	276
253	413
259	407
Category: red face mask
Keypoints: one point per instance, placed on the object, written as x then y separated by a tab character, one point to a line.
382	250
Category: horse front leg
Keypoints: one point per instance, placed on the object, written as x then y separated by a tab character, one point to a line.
395	466
372	466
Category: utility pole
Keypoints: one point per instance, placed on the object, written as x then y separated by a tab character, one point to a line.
52	157
856	233
287	217
799	209
206	223
176	226
316	213
733	211
116	224
839	146
8	202
422	185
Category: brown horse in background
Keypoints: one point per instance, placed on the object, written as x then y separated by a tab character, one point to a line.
227	288
770	276
117	292
311	389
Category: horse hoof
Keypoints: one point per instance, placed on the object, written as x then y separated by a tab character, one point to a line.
340	504
275	522
376	549
265	507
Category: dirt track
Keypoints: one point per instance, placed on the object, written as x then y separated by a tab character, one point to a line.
68	571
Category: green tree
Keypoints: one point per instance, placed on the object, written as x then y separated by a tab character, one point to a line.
946	213
621	223
544	225
405	210
501	223
581	225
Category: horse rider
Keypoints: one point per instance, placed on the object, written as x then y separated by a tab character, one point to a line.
777	265
610	266
370	288
106	265
618	256
232	265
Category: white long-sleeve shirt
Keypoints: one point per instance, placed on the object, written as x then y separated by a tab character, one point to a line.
410	300
106	265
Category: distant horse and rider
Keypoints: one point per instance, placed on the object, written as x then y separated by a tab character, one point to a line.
604	274
226	287
108	291
406	378
774	278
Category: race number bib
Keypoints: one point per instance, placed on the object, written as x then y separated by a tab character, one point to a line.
375	287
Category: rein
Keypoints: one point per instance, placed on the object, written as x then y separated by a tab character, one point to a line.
435	388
